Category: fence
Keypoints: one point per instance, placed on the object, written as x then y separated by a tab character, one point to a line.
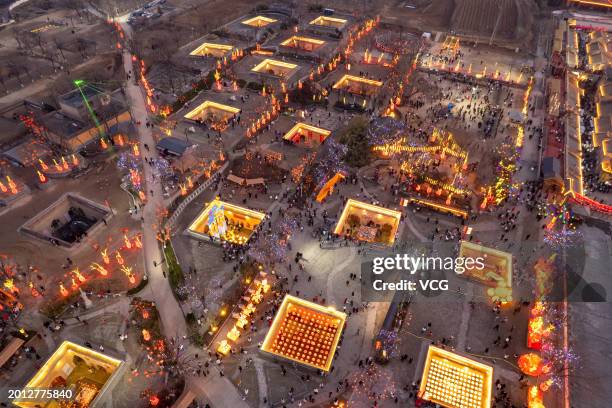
192	196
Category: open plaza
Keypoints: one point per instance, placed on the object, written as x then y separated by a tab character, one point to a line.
190	217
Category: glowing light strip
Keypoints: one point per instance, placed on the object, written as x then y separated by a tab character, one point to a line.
259	21
594	3
211	105
328	21
291	40
351	78
280	315
268	61
453	210
220	47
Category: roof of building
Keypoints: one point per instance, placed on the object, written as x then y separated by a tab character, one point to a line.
74	98
173	145
63	125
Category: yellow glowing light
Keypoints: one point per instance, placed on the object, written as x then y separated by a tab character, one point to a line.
259	21
357	84
215	50
454	381
305	332
275	67
453	210
305	43
326	21
63	359
303	130
224	347
243	222
212	109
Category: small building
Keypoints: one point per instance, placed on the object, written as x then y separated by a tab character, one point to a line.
85	115
172	146
88	375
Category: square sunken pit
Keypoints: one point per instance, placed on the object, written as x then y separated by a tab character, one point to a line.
276	68
212	50
259	21
67	220
307	44
221	221
358	85
306	135
305	333
214	114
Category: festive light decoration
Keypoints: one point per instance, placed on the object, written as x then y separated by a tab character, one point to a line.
146	336
11	184
79	275
535	398
41	177
454	381
305	332
119	258
303	43
495	273
105	256
127	270
99	268
531	364
227	222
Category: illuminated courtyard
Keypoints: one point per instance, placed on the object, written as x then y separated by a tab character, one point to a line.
298	204
366	222
83	371
226	222
357	85
275	68
305	332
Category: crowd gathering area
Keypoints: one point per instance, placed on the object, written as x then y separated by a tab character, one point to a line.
305	147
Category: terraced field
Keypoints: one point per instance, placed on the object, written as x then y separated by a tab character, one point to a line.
479	17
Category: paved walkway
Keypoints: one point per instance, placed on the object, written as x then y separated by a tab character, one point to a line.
159	290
